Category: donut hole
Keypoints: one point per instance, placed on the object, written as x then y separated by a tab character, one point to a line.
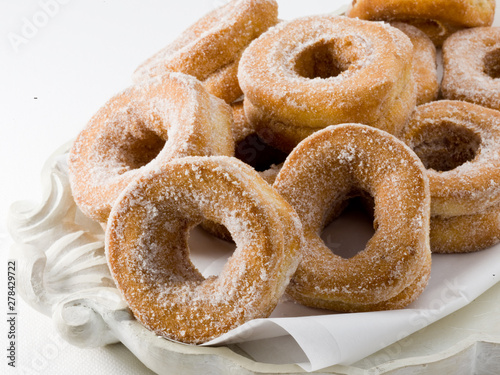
208	253
492	63
321	60
447	146
143	150
253	151
132	149
177	247
348	233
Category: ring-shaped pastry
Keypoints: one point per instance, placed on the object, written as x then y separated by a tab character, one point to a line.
465	233
154	122
148	254
211	48
458	142
309	73
320	174
250	149
424	63
437	18
470	66
241	126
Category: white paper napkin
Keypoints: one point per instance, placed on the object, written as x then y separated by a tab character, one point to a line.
315	339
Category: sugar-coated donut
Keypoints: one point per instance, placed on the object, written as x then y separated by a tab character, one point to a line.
146	247
437	18
253	151
320	174
424	63
159	120
471	66
250	149
465	233
459	144
241	127
223	83
305	74
211	48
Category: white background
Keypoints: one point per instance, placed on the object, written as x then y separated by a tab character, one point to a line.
60	60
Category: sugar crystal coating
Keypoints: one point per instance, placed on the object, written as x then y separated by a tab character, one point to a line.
211	48
312	72
470	66
321	173
146	246
437	18
141	126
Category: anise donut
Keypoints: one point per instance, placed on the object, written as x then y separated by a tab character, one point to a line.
424	63
465	233
159	120
320	174
437	18
148	254
211	48
458	142
305	74
471	66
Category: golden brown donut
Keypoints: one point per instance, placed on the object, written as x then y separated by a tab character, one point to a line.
401	300
465	233
211	48
320	174
154	122
458	142
471	66
437	18
253	151
309	73
241	127
424	63
223	83
146	247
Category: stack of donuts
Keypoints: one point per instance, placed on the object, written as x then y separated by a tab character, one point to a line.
262	130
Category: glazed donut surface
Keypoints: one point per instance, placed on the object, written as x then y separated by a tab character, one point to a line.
146	246
437	18
154	122
309	73
471	66
320	174
211	48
